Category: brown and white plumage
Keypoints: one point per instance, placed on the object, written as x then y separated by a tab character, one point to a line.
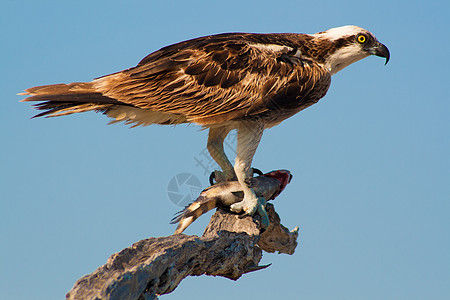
242	81
210	80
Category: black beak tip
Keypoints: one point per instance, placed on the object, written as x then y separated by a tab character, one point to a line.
383	51
386	53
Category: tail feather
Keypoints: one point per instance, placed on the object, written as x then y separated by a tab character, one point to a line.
61	88
64	109
76	98
65	99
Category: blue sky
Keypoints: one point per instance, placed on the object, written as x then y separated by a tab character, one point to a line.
371	163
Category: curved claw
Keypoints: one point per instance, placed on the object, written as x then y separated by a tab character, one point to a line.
212	176
219	176
257	171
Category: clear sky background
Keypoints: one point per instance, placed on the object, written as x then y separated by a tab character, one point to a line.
371	163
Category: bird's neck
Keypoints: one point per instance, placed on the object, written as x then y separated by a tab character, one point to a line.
332	54
343	57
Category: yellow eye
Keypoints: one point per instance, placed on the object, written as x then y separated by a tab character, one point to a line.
361	39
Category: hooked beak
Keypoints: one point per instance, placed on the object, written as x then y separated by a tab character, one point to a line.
382	51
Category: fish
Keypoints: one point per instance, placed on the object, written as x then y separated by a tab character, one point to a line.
224	194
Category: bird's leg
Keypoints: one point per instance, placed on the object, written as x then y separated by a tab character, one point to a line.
216	137
248	135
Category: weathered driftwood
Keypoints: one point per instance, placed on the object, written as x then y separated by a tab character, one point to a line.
230	247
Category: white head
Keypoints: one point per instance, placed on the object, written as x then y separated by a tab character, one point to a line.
348	44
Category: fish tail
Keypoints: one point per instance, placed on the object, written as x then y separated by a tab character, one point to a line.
192	212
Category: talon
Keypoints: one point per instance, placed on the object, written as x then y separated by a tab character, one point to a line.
221	176
212	177
257	171
218	176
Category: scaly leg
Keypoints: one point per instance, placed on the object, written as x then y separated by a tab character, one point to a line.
249	135
216	137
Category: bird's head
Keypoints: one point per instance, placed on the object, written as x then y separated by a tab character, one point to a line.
346	45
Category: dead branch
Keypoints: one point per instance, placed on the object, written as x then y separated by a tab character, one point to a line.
230	247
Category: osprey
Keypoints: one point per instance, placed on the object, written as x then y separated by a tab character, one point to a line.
243	81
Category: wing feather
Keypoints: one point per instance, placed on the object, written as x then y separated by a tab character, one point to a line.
221	78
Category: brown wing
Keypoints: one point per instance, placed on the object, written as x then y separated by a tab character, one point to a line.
221	78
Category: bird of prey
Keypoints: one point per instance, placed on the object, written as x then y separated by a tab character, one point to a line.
233	81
